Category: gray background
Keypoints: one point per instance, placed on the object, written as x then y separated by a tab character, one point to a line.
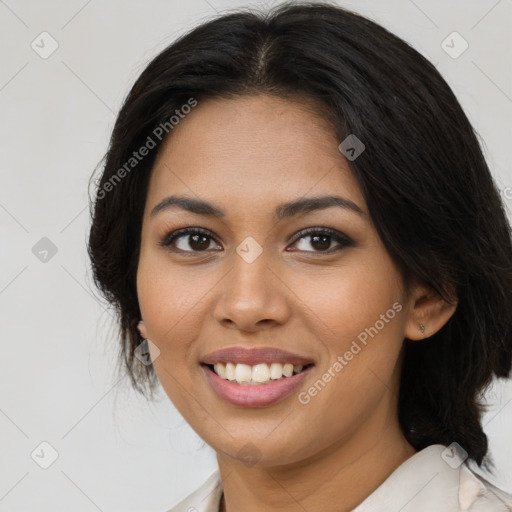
57	370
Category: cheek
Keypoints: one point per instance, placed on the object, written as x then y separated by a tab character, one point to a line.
345	304
171	305
359	318
359	321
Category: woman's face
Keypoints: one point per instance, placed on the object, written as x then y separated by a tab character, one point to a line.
252	280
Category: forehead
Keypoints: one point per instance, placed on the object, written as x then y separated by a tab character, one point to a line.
252	146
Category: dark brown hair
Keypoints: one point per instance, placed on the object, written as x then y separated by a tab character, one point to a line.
423	176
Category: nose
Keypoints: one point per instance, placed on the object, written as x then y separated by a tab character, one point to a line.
252	296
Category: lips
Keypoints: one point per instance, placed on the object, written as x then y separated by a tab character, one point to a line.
255	394
261	395
254	356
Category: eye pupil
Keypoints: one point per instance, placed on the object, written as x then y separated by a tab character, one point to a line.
203	244
325	241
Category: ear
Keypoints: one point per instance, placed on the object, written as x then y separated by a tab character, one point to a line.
428	313
142	329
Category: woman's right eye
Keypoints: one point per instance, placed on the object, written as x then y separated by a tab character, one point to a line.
188	240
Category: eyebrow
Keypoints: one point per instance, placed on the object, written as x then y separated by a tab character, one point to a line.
282	211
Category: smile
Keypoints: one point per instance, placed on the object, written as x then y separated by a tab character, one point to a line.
262	373
254	394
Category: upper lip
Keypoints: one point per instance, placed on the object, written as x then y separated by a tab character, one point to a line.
255	355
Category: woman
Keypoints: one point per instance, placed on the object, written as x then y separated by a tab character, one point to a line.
307	250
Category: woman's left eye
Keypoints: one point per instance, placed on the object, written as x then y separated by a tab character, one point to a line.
321	239
196	240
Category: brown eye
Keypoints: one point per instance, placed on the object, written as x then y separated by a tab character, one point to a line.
320	242
320	239
188	240
198	242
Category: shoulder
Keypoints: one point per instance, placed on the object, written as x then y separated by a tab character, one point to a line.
476	494
437	478
204	499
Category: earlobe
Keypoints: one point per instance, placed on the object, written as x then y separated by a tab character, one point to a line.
142	329
428	314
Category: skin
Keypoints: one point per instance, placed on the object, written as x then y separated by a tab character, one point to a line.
247	155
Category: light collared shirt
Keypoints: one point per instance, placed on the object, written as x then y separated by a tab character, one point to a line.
426	482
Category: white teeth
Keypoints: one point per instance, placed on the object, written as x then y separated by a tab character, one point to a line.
260	373
257	374
276	371
230	371
243	373
220	369
288	370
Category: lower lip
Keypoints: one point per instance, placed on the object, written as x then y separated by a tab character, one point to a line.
254	395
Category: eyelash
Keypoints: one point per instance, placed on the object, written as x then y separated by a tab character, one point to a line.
342	239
